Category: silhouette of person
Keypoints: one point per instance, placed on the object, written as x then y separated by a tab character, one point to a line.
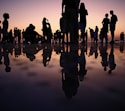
70	8
96	34
63	28
17	34
46	28
5	27
105	23
122	36
113	21
58	35
0	31
112	64
10	36
104	55
83	13
91	34
30	34
47	52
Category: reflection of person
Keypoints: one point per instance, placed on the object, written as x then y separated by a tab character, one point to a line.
112	64
104	55
70	84
30	51
1	54
82	65
121	47
6	60
113	21
47	52
69	62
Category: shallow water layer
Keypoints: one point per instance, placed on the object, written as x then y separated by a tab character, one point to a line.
62	77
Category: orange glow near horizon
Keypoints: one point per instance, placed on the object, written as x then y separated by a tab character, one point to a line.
24	12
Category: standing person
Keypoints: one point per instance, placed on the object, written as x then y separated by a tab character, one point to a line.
44	29
96	34
113	21
63	28
0	31
47	31
83	13
5	27
105	23
70	8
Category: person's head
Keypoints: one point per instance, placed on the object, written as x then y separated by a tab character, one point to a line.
82	5
6	16
44	18
106	15
111	12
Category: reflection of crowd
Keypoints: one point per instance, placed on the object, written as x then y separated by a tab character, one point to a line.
72	57
72	60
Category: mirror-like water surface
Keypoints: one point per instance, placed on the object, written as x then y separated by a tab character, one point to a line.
62	77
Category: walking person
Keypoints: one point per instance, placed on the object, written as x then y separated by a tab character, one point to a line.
113	21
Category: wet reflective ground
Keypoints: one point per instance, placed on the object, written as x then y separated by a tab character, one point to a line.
62	77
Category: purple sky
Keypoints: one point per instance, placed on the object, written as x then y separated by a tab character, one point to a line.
24	12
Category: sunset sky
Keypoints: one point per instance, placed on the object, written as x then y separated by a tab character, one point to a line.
24	12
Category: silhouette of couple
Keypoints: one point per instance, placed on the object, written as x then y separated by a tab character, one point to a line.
69	20
106	22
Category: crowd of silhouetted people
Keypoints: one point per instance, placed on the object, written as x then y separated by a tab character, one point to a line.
73	19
